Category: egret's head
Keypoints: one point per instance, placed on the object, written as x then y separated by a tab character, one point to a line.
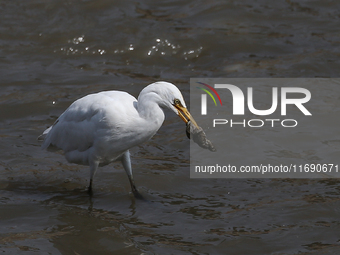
170	96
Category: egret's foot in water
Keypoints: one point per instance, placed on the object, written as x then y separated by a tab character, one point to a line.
89	189
137	194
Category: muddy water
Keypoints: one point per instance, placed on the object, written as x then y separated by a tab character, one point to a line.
53	52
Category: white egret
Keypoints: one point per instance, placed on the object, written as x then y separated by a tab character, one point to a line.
101	128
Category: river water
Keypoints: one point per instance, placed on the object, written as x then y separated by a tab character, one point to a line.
53	52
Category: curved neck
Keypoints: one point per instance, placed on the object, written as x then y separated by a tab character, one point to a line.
150	110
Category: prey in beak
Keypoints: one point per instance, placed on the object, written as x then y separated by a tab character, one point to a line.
192	128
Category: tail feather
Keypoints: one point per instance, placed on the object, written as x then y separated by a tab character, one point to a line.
43	136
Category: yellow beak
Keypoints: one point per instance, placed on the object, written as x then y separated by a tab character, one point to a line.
185	115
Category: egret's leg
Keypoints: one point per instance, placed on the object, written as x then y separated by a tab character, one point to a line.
126	161
93	170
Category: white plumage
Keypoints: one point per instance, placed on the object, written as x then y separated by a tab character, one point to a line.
101	128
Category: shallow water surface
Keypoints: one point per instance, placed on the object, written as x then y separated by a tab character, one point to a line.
54	52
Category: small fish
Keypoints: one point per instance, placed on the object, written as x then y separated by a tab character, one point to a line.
199	136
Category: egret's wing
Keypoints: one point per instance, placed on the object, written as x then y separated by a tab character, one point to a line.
77	128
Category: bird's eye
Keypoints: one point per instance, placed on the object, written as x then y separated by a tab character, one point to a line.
176	102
